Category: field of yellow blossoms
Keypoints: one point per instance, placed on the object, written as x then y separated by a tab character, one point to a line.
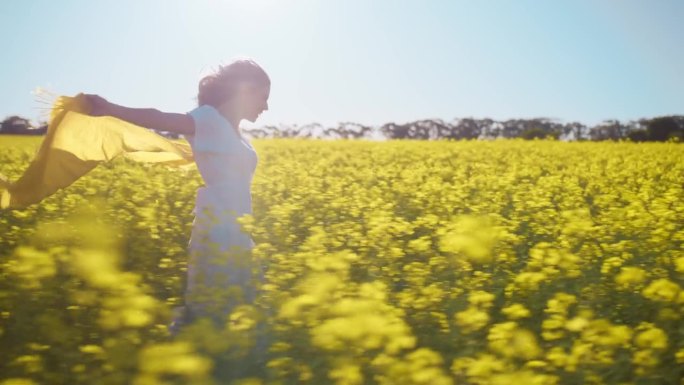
400	262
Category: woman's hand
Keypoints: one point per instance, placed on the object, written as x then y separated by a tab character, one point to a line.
98	105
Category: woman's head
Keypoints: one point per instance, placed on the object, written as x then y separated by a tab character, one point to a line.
240	88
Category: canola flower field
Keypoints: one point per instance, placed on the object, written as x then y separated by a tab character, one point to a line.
401	262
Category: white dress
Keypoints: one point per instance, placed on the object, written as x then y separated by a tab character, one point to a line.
221	272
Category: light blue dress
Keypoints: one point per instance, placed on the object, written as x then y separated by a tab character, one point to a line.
221	272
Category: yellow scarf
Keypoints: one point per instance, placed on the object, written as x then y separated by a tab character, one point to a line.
76	143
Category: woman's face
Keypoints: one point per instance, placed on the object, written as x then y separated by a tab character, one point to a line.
254	101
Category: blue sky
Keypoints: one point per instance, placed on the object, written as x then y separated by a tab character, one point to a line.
364	61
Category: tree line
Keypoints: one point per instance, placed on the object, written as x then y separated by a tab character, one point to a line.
661	128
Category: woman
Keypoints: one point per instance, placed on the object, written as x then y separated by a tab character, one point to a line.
219	267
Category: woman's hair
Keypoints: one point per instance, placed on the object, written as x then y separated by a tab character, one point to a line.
218	87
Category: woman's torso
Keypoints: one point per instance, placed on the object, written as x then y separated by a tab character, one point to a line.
226	161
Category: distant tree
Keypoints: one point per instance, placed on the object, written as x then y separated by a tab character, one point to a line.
663	128
256	133
41	130
467	128
312	130
350	130
281	131
575	131
420	129
608	130
271	131
655	129
15	125
638	135
439	129
491	129
331	132
512	128
395	131
538	133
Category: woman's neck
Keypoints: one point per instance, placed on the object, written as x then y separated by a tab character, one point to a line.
236	126
234	122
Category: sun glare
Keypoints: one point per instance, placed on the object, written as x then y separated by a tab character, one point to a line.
248	6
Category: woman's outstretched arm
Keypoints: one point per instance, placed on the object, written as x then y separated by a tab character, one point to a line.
145	117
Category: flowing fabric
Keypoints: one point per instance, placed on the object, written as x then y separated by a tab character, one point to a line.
76	143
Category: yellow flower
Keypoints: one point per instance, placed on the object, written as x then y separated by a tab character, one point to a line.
92	349
18	381
553	323
471	237
611	263
576	324
173	358
679	356
602	332
667	314
651	338
662	290
471	319
552	328
512	341
629	276
483	366
579	353
530	280
480	298
644	358
557	356
420	245
516	311
679	264
31	266
523	377
346	374
559	303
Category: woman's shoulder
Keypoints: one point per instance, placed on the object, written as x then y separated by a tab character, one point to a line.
212	130
211	114
204	111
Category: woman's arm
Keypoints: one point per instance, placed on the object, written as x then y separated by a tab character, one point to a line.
145	117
